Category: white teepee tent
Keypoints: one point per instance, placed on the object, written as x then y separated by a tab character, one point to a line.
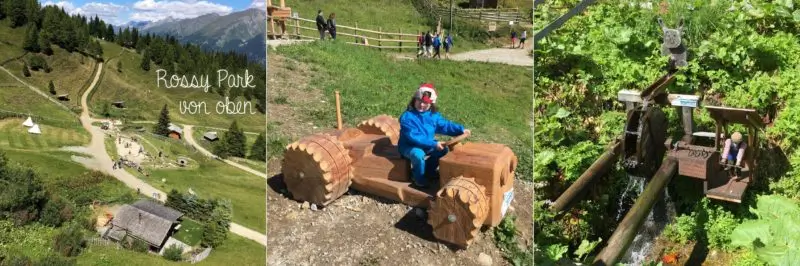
28	122
35	129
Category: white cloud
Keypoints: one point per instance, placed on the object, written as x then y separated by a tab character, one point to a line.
108	12
152	10
260	4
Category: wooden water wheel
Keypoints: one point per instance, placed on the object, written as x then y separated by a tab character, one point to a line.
317	169
382	125
458	212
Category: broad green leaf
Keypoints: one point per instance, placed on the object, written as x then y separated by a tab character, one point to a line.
755	12
562	113
749	231
796	15
555	252
787	3
772	254
586	247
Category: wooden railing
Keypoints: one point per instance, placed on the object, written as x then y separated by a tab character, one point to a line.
302	28
498	15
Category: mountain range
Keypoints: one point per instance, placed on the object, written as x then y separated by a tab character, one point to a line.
242	31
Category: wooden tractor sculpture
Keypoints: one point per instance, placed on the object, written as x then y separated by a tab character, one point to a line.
475	186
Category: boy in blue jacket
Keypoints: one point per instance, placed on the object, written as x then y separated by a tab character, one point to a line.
418	126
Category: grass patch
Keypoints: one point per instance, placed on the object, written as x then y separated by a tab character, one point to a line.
21	100
144	99
14	135
198	132
491	99
190	233
68	74
210	178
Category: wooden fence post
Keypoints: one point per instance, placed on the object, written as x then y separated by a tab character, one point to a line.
400	40
380	38
355	32
297	28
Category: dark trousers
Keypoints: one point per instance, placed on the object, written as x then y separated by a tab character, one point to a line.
322	34
333	34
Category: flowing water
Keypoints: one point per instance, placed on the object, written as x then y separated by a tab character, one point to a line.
656	220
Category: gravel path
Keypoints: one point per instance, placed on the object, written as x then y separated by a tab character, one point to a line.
187	129
517	57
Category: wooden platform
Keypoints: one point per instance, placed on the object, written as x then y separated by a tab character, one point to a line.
725	188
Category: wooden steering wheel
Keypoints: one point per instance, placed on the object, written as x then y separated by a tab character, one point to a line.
455	140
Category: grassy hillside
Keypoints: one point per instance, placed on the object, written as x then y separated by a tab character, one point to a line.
144	99
493	100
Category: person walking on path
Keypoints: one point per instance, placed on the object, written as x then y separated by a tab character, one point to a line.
513	38
332	25
522	39
448	43
321	25
428	44
437	44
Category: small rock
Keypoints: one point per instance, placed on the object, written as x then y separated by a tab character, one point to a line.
305	205
312	223
314	207
484	259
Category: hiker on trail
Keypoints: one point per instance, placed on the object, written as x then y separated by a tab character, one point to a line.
437	44
448	43
733	153
420	44
428	44
522	39
418	125
513	38
332	25
321	25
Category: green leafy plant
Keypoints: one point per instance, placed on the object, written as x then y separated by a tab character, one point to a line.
774	235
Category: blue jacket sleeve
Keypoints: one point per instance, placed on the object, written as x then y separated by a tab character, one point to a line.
412	133
447	127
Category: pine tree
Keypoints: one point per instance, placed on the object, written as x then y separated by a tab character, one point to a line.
52	88
31	42
44	45
236	140
146	61
162	127
259	149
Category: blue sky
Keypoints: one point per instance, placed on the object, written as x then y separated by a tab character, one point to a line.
122	11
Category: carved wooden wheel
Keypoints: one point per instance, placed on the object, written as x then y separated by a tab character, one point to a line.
459	211
382	125
317	169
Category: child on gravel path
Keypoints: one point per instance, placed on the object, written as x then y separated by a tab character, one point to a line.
418	125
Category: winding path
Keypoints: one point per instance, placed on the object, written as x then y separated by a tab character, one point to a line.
102	162
517	57
187	132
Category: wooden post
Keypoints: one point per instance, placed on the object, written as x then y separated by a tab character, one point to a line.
577	189
380	38
355	33
338	112
400	40
297	28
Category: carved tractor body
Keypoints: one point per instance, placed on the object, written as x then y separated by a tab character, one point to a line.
475	186
703	161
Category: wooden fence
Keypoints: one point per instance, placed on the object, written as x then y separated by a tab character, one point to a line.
301	28
497	15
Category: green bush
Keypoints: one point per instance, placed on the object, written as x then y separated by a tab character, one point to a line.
173	253
139	246
684	229
37	62
69	242
56	212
